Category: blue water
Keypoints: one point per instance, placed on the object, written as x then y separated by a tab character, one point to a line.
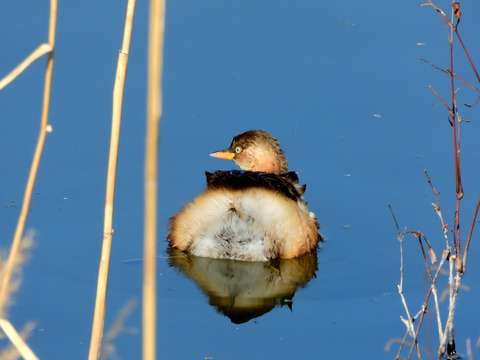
339	84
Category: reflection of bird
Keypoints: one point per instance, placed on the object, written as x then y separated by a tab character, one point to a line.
245	290
255	214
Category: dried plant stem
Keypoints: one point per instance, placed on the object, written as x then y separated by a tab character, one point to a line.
456	128
454	28
455	260
402	343
409	321
11	352
154	113
468	56
17	345
447	250
17	340
467	245
454	286
424	306
443	102
439	211
99	314
432	285
36	54
448	73
35	163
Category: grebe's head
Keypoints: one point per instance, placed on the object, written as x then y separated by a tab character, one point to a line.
255	150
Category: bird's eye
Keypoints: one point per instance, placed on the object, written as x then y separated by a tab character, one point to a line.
238	150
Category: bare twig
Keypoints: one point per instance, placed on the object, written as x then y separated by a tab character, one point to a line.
402	343
474	104
394	219
438	210
465	252
449	73
468	56
409	322
456	145
440	98
410	326
424	306
454	285
432	282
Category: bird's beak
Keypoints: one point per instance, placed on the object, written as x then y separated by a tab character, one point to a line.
224	154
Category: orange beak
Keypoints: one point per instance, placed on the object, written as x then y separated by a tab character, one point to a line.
224	154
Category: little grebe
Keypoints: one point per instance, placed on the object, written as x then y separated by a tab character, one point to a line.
253	215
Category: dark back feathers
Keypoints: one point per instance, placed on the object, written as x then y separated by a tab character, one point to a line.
286	184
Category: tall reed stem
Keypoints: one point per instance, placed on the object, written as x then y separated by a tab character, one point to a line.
35	163
99	314
154	112
17	340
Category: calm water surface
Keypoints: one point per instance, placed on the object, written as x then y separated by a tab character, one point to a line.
343	90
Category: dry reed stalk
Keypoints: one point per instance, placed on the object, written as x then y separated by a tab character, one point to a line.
36	54
17	346
99	313
11	352
21	258
44	128
17	340
154	112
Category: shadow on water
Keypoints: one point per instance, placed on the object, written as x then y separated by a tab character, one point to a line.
244	290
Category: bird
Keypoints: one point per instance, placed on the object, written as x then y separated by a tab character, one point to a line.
257	213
